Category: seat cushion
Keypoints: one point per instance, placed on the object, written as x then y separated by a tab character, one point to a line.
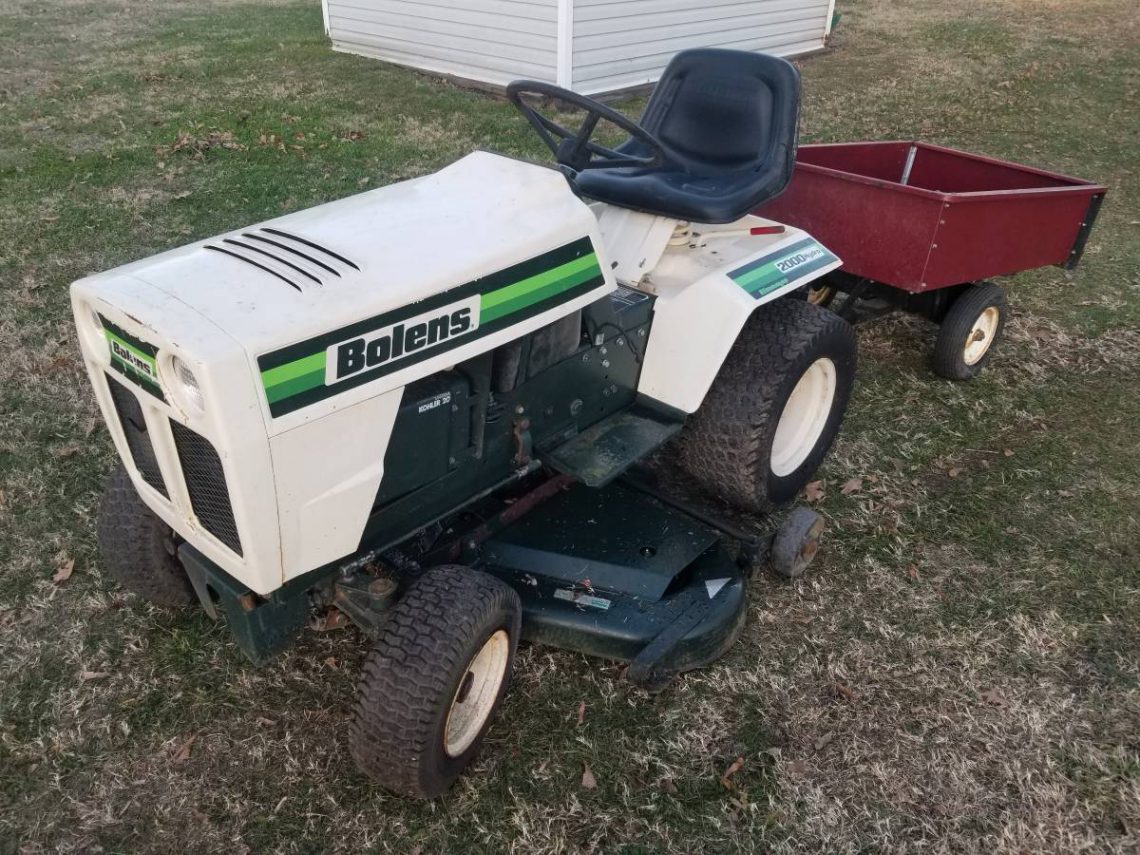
721	198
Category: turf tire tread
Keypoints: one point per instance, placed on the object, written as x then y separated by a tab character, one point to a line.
726	444
136	547
410	672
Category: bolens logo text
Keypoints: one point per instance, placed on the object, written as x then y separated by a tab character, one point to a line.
392	344
136	362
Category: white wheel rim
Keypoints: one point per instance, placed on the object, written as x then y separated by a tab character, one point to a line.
804	417
981	335
475	697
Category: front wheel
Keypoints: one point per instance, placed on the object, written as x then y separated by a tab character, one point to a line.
433	681
775	408
137	549
969	332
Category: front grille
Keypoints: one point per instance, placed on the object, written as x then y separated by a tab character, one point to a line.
138	440
206	484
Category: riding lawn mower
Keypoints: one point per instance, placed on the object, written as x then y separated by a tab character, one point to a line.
427	409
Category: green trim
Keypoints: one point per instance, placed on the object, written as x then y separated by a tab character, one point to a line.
496	305
305	366
531	290
762	276
757	279
294	376
295	385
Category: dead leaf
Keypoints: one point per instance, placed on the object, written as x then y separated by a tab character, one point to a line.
581	713
265	722
92	675
912	572
854	485
182	754
726	778
3	500
666	785
331	620
331	662
1008	452
67	451
954	471
813	492
589	782
847	692
1065	494
64	572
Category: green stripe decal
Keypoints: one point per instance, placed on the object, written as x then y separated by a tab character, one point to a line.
536	288
303	373
772	272
293	377
295	386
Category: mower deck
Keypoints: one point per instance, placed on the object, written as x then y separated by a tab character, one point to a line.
616	574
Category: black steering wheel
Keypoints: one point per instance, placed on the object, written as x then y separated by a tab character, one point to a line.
574	149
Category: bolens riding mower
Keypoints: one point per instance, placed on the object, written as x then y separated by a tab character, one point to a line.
424	409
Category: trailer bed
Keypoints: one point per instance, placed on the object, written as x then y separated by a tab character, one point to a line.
919	217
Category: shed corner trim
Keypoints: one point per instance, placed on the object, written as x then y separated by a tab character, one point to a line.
564	68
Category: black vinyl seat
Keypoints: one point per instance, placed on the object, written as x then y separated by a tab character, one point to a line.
727	122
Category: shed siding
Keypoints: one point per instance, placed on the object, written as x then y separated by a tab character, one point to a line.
493	41
622	43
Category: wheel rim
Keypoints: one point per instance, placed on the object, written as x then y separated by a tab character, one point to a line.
981	335
804	417
477	692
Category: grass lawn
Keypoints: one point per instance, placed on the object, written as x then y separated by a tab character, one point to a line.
960	672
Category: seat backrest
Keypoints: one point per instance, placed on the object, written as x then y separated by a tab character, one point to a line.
718	111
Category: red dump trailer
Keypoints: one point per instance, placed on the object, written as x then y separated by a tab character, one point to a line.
922	227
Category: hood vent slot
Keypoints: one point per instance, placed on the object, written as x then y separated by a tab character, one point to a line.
301	259
268	270
312	245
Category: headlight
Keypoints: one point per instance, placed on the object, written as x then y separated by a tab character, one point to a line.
188	383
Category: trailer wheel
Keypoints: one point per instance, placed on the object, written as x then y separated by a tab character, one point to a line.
775	407
796	543
969	331
433	680
137	549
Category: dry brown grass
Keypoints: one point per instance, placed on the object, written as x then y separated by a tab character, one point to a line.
961	671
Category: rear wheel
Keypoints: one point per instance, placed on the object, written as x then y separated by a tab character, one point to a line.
969	331
137	549
434	679
775	408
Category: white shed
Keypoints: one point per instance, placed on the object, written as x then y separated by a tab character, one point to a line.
591	46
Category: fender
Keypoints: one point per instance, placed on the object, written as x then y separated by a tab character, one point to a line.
704	299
